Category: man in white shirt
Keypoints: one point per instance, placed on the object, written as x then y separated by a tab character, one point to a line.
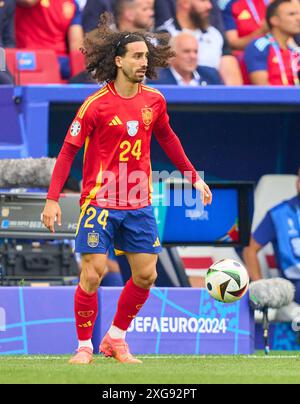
194	15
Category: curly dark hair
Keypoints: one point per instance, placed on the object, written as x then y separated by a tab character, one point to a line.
103	44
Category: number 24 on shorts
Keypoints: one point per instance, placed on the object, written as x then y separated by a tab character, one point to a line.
102	218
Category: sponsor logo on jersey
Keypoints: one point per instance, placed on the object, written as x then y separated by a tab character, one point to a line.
245	15
157	243
116	121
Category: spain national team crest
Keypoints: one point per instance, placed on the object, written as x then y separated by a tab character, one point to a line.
147	114
93	240
132	128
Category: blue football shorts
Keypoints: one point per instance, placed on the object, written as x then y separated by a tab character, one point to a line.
132	231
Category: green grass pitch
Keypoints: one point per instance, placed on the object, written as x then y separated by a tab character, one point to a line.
277	368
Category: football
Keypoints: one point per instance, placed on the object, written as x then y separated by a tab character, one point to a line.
227	281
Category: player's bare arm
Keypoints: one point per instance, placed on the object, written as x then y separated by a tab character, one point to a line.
206	194
51	215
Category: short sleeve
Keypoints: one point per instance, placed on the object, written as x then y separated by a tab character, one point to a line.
83	125
77	20
256	57
265	232
228	18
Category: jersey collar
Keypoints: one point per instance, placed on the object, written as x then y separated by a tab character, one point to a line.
112	89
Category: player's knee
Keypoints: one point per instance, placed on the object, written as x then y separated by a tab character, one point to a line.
94	264
146	280
93	280
93	270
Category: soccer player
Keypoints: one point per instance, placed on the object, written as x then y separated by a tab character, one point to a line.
115	125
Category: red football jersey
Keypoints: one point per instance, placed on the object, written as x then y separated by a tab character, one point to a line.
275	76
45	25
260	55
117	133
245	16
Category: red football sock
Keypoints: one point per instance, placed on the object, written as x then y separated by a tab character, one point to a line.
86	311
130	303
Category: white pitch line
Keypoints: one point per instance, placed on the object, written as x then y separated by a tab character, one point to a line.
195	357
220	357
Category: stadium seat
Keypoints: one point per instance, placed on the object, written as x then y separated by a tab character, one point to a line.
270	191
77	63
33	66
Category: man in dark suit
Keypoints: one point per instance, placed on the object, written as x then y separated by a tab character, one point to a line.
184	69
7	35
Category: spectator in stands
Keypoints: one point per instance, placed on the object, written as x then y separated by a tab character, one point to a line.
270	59
184	69
92	11
281	226
133	15
164	10
130	15
194	15
46	24
7	36
244	21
